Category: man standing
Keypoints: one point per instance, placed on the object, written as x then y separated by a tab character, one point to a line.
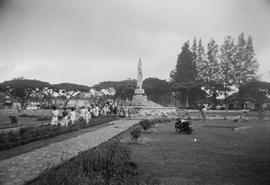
203	113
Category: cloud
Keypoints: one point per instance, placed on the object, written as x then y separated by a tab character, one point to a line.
90	41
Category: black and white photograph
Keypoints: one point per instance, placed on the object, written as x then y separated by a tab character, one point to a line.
134	92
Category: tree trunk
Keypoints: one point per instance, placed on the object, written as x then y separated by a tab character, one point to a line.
187	105
66	102
23	105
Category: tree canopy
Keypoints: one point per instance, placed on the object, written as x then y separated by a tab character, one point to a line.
184	77
66	91
23	89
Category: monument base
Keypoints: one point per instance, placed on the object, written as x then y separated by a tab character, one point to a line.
139	99
139	92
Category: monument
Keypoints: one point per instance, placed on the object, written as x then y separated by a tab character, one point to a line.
140	106
139	97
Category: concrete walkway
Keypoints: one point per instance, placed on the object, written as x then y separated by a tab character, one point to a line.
24	167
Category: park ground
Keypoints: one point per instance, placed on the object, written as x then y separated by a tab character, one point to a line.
212	155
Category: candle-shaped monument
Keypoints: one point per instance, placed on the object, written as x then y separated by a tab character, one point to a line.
139	95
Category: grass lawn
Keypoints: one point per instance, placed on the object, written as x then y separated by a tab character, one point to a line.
219	156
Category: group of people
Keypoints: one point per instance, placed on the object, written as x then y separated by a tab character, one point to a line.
86	113
67	117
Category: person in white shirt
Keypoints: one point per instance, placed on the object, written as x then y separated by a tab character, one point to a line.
55	113
72	115
203	113
87	115
96	111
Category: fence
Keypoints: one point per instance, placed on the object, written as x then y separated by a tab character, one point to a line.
7	112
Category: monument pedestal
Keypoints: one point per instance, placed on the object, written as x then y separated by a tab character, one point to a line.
140	106
139	99
139	92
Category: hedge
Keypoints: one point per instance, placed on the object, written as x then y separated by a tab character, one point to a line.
26	135
109	164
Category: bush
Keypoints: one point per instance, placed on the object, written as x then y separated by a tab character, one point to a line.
44	118
109	164
145	124
136	133
159	120
26	135
13	119
29	115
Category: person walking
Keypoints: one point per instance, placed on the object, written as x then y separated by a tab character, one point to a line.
65	117
88	115
82	113
72	115
55	113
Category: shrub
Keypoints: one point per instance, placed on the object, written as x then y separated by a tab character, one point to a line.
145	124
29	134
108	164
43	118
13	119
160	120
136	133
29	115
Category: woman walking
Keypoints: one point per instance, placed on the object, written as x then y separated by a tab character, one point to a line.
55	113
72	115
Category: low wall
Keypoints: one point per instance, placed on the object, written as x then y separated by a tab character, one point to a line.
147	112
152	111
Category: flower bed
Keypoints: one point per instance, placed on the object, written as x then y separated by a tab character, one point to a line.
108	164
29	134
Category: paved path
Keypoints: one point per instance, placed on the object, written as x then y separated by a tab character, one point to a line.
21	168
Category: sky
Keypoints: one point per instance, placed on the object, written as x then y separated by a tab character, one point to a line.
89	41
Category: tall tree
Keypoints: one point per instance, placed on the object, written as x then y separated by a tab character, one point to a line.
184	76
158	90
227	51
244	64
208	69
194	49
185	69
200	60
212	66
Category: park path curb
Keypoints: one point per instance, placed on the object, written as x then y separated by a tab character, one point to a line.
24	167
242	128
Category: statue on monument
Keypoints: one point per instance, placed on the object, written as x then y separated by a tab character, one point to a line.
139	75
